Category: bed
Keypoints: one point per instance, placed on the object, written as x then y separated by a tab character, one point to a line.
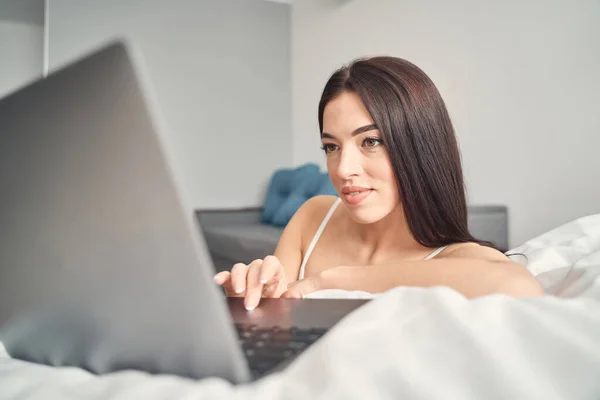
409	343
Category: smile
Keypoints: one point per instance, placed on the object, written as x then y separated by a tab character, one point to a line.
355	195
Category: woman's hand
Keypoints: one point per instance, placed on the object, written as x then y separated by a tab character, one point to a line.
260	278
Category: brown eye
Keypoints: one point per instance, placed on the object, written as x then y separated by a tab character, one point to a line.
329	147
371	142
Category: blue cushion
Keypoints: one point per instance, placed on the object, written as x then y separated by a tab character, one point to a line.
290	188
287	210
306	179
277	192
304	184
326	187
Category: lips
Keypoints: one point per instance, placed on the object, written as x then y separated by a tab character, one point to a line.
354	195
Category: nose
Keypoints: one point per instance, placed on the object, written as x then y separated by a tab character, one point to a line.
349	162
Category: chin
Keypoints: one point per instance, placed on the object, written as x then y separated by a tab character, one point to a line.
368	214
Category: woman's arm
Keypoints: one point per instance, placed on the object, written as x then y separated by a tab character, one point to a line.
471	269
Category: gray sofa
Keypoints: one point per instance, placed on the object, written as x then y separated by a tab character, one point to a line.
238	235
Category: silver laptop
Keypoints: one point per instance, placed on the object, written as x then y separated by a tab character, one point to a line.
102	265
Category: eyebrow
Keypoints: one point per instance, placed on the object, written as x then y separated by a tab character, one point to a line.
355	132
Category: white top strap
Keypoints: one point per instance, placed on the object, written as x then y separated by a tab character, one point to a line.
315	238
435	252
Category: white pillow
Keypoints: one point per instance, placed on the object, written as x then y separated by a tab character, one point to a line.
574	244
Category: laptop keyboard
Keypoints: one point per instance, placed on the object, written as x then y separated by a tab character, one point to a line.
265	347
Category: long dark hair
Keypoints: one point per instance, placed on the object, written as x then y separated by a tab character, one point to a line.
418	134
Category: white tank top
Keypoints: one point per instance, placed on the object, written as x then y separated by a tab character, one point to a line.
315	239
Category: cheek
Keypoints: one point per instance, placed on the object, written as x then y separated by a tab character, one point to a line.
381	169
332	166
391	178
333	177
393	184
383	172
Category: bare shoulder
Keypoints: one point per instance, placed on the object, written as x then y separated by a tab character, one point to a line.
318	205
310	215
473	250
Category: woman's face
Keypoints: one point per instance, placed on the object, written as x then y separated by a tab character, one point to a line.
357	161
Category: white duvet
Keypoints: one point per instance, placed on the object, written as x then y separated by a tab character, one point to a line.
409	343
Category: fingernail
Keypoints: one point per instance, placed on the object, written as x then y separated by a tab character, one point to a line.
263	281
239	290
250	308
216	278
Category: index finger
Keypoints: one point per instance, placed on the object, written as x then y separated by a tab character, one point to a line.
253	285
238	277
224	279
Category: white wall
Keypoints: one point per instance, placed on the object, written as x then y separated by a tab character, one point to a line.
21	43
521	80
221	70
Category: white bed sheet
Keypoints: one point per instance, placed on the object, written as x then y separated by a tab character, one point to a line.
409	343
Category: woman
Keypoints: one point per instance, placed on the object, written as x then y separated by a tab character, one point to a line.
401	215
